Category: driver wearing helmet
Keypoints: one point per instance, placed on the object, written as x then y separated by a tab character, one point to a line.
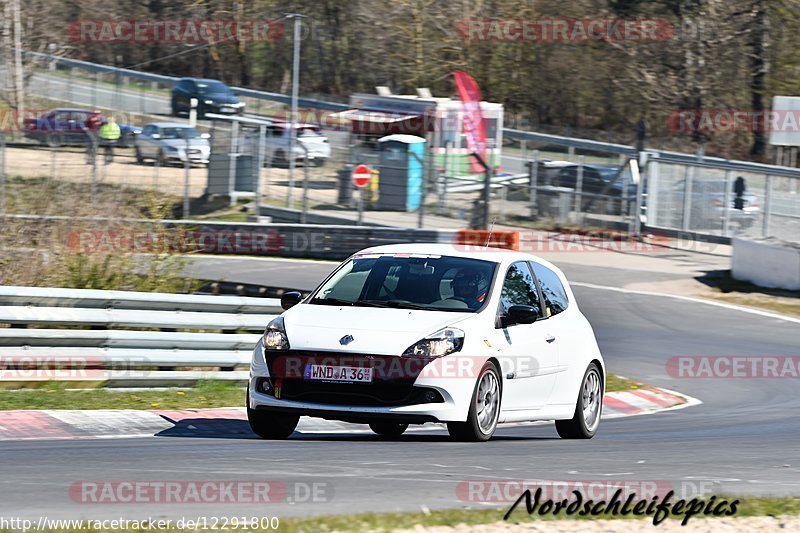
469	286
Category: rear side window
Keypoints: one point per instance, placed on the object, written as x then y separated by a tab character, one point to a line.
518	287
555	297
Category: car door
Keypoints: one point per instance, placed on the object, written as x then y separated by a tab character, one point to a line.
556	320
149	145
77	127
529	359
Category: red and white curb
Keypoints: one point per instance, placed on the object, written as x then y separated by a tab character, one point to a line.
231	422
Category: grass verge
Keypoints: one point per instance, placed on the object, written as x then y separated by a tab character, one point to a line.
454	517
724	288
211	393
55	396
458	518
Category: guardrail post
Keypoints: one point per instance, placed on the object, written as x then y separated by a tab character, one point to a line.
767	206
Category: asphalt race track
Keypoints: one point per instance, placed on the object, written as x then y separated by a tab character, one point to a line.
744	439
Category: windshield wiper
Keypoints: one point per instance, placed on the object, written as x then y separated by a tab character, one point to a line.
395	304
332	301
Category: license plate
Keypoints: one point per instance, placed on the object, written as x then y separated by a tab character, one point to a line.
338	373
227	110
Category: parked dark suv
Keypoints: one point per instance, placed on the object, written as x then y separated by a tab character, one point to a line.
213	96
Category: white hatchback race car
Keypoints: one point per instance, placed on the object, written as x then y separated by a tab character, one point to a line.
416	333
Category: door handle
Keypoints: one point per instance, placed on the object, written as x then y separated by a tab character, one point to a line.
550	338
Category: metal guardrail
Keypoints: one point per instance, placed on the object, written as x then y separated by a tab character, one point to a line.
119	357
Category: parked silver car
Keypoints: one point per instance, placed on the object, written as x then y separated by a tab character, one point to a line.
168	142
308	135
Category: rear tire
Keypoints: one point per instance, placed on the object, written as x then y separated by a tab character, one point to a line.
272	426
484	409
54	140
588	408
388	429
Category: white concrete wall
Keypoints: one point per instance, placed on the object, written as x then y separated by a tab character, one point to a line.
767	262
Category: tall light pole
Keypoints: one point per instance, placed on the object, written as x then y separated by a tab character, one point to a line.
293	113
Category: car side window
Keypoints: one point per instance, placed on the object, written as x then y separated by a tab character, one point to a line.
518	287
555	297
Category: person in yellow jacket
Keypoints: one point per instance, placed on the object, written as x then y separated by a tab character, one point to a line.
108	135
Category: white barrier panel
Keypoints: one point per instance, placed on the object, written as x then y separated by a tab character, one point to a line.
767	263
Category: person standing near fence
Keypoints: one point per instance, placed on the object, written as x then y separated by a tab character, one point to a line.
93	124
109	134
739	188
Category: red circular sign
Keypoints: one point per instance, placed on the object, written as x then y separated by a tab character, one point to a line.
362	174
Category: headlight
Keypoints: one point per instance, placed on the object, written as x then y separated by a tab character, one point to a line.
275	336
443	342
208	102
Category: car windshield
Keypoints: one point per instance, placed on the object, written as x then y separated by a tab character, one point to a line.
608	173
409	281
179	133
308	132
212	87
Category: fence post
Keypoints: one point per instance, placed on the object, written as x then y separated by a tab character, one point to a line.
232	162
187	165
579	186
533	182
304	214
262	131
2	173
687	198
726	203
95	143
767	206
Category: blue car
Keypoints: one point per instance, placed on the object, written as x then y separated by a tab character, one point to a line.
68	126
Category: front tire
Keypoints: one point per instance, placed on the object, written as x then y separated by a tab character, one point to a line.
588	408
484	409
272	426
388	429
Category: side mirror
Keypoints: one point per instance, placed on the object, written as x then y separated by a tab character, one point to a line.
290	299
521	314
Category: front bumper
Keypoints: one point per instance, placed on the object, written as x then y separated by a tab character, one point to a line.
404	399
180	157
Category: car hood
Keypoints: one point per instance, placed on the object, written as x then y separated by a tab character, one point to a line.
181	143
375	331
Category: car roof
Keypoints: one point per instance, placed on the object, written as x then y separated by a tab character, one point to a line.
298	125
496	255
204	80
169	125
77	109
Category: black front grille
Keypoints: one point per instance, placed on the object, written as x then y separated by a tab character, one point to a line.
392	383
